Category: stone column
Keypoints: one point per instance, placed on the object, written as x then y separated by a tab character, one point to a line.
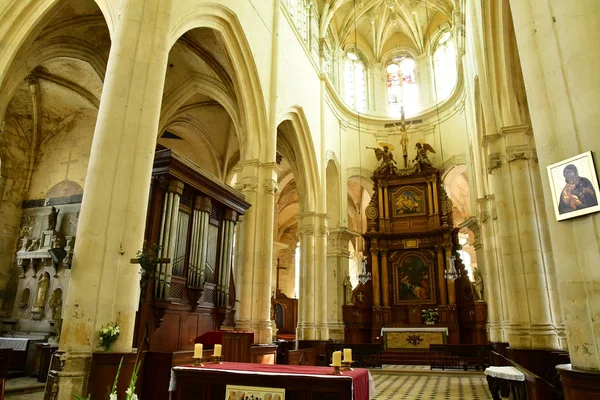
527	262
104	286
560	62
321	277
255	311
306	298
338	262
247	183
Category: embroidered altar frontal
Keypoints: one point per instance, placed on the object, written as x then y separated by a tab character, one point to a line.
414	339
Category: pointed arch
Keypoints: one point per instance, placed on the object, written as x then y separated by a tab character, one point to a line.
251	104
293	128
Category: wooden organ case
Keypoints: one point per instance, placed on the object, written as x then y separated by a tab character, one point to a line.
192	216
410	243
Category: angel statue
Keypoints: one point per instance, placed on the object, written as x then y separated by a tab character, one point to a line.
421	159
386	157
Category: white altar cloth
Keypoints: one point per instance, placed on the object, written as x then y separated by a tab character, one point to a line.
415	329
17	344
507	373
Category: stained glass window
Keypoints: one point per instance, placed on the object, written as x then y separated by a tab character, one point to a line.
402	87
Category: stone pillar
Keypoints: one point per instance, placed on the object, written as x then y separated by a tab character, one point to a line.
104	285
321	277
338	261
559	64
255	296
306	298
527	261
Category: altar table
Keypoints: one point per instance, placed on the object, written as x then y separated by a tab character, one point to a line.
413	337
190	382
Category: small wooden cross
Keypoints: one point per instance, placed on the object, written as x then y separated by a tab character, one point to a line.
360	296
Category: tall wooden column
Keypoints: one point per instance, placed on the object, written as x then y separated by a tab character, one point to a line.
442	275
385	287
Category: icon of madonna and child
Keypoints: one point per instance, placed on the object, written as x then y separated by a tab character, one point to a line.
414	281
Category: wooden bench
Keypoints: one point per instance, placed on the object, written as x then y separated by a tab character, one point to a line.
459	356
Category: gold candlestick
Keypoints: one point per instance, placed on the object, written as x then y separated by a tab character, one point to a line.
347	365
217	359
336	370
198	362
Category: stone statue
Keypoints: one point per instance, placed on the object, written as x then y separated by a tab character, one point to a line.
478	284
24	243
52	219
273	308
387	158
348	291
35	244
421	159
55	303
42	291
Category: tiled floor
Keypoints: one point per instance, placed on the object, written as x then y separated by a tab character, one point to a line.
428	384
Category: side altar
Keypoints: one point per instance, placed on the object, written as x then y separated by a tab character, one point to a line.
417	278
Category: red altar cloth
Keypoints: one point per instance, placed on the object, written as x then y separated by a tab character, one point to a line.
361	385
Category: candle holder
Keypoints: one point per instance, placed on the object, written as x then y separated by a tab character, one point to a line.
347	365
217	359
198	362
336	370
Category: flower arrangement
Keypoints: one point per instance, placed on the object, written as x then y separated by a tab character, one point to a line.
129	393
430	315
147	258
108	334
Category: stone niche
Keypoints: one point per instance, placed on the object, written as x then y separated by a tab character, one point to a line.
39	278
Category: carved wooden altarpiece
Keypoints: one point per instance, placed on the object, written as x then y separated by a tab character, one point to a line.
192	216
409	242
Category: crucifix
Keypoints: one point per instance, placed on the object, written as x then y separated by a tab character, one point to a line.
277	282
68	163
360	296
404	136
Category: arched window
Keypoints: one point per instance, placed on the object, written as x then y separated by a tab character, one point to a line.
300	12
403	91
355	79
444	66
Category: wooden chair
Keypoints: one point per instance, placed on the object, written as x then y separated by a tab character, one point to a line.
4	362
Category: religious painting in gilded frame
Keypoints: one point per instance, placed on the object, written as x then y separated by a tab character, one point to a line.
574	186
409	201
414	279
236	392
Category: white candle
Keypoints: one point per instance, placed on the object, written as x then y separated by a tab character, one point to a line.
336	359
218	349
198	350
347	355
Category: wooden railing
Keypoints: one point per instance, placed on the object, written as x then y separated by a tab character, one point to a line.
460	356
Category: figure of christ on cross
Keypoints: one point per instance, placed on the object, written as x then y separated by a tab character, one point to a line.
404	139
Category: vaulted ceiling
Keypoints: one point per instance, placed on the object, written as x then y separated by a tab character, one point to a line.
383	26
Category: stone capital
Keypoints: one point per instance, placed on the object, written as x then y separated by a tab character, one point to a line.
271	186
524	152
494	162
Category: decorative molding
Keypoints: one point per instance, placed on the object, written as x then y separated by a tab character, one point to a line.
247	184
271	186
516	153
494	161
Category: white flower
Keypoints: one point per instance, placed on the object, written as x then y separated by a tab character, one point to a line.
134	397
129	391
113	396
